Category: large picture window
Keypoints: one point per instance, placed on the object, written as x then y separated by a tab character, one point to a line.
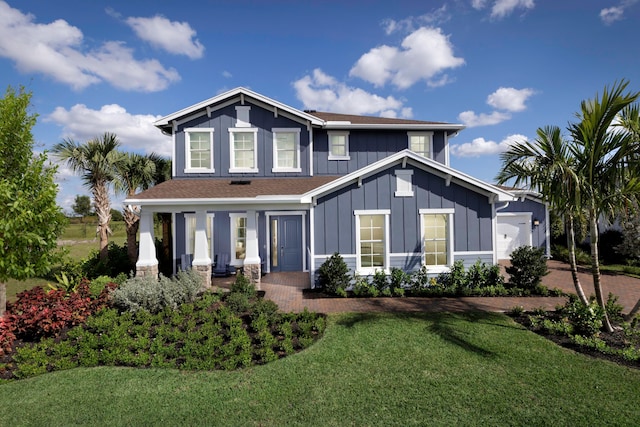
243	150
199	150
437	237
421	143
286	150
372	240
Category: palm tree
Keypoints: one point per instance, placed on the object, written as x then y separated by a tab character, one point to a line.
607	164
135	172
95	162
545	165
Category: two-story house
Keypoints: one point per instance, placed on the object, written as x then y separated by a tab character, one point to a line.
280	189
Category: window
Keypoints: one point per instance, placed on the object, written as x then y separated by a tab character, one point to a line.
243	150
199	150
338	145
190	233
437	237
421	143
372	240
286	150
404	187
238	237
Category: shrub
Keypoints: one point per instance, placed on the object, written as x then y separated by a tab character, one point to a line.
561	253
608	244
333	274
153	295
614	310
237	302
528	266
362	288
98	284
243	285
587	319
380	280
397	279
116	263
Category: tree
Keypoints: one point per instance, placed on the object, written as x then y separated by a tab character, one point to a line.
30	219
95	161
607	166
82	205
135	172
546	166
163	173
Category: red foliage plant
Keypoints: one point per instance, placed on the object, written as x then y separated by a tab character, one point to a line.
38	313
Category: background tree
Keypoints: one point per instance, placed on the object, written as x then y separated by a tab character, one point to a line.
135	172
82	206
95	161
30	219
163	173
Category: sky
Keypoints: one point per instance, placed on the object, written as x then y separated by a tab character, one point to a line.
502	68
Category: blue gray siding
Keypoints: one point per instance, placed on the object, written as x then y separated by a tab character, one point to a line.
366	147
225	118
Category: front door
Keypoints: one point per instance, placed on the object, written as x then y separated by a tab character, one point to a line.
286	243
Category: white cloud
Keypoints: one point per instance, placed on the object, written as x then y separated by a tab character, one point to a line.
615	13
174	37
423	55
509	99
503	8
135	131
56	50
322	92
471	119
481	147
409	25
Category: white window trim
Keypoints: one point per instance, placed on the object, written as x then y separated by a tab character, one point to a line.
346	142
232	227
296	132
210	217
427	134
449	212
187	143
367	271
404	177
232	154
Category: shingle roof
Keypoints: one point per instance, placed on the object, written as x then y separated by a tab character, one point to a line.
221	188
368	120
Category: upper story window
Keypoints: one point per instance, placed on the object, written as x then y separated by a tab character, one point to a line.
421	143
339	146
243	149
286	150
199	149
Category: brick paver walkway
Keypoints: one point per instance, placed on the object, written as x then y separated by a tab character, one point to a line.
286	289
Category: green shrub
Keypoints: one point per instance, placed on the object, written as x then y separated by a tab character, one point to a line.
98	284
528	266
237	302
380	280
586	319
561	253
614	310
116	263
153	295
362	288
397	279
333	274
243	285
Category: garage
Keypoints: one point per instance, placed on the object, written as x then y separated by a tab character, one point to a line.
513	230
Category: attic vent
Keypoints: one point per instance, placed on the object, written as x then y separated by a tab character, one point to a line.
240	182
310	111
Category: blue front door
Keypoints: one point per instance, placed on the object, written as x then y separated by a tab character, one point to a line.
286	243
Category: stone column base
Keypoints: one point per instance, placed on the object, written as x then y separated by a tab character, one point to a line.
205	272
253	272
147	270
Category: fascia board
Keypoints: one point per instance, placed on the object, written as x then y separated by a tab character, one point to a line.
415	126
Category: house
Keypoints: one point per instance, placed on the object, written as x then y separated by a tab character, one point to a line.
280	189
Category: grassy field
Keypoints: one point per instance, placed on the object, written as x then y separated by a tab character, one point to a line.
369	369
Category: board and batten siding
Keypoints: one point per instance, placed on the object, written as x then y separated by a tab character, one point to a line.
334	214
366	147
225	118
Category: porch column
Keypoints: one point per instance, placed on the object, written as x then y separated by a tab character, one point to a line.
201	260
251	267
147	264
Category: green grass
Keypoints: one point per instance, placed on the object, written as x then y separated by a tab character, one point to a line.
369	369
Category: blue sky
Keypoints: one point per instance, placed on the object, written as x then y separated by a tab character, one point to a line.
501	67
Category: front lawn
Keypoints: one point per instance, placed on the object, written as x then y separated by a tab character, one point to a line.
368	369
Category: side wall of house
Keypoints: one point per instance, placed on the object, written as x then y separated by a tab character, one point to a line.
335	221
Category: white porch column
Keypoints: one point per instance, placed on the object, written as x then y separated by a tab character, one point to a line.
147	264
251	266
201	259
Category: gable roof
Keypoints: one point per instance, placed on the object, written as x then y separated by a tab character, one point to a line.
417	160
319	119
